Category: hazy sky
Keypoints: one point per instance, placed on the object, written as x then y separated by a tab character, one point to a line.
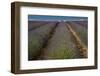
55	18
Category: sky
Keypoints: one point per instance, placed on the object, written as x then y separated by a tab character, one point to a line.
55	18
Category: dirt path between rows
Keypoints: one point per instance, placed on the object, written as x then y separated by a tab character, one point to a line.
83	49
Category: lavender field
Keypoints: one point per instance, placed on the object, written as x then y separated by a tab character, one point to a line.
57	40
57	37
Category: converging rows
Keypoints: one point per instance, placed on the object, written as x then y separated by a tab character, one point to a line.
54	40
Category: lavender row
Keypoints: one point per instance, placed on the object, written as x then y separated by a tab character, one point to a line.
37	39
